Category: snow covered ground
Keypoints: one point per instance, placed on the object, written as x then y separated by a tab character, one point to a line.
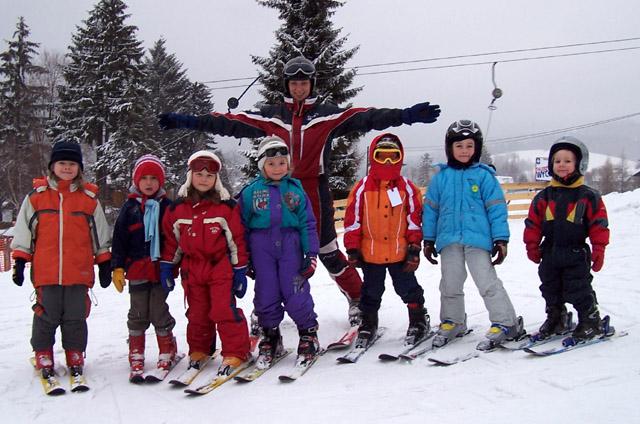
598	384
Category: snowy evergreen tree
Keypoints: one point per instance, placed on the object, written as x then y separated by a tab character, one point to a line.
307	30
101	105
168	89
424	171
21	117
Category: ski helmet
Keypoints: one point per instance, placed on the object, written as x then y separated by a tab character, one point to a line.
461	130
577	147
299	69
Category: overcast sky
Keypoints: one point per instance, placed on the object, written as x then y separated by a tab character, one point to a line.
214	40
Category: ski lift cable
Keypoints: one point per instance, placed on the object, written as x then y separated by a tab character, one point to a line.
524	137
450	58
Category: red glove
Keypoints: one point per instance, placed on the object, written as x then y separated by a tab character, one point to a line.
597	257
412	259
309	264
533	253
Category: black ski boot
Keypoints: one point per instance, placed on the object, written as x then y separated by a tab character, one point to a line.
419	323
308	346
270	347
558	321
589	325
368	329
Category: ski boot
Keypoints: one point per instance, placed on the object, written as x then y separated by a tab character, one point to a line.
308	346
419	323
449	330
44	363
255	332
499	333
75	362
558	322
229	365
589	325
367	330
270	347
136	358
197	359
167	349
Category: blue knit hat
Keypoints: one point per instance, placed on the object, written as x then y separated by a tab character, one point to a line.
66	150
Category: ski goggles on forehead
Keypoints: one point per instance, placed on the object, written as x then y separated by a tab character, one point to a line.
464	127
296	68
384	155
276	151
208	164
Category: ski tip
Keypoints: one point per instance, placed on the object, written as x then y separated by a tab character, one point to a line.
286	378
385	357
192	392
56	392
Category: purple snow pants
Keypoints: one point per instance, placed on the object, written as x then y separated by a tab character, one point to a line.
277	257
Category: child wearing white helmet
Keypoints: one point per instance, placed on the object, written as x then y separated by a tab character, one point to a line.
284	246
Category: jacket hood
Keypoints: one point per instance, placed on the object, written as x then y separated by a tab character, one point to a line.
385	171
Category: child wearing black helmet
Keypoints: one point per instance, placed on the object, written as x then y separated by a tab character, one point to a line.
560	219
465	221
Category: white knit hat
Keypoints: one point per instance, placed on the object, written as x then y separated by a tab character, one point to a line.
223	192
271	142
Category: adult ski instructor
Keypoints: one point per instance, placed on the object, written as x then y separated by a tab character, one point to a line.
308	126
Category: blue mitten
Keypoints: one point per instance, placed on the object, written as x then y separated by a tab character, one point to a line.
240	281
170	121
421	112
166	276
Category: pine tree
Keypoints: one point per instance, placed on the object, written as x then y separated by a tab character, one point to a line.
21	118
101	105
169	89
424	170
307	30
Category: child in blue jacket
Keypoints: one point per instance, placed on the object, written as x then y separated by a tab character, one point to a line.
465	221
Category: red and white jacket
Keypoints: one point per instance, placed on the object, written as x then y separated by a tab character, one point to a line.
61	228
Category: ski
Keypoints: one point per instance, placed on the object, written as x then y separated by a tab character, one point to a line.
159	374
455	360
346	340
219	380
257	372
190	374
78	382
388	357
357	351
430	347
569	343
136	377
51	385
536	339
302	366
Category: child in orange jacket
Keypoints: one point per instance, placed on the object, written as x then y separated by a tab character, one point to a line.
62	230
383	232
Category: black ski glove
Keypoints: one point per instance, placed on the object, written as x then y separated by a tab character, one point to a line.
354	258
430	252
104	273
499	249
18	271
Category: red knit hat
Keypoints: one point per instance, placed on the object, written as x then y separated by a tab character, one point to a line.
148	165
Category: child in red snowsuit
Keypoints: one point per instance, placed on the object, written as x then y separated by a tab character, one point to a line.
204	236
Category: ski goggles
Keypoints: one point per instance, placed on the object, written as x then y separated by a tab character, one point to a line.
204	163
464	127
275	151
300	67
384	155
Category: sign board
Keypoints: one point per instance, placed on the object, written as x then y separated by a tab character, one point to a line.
542	169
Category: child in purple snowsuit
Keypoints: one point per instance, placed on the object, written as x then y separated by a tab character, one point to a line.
283	243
